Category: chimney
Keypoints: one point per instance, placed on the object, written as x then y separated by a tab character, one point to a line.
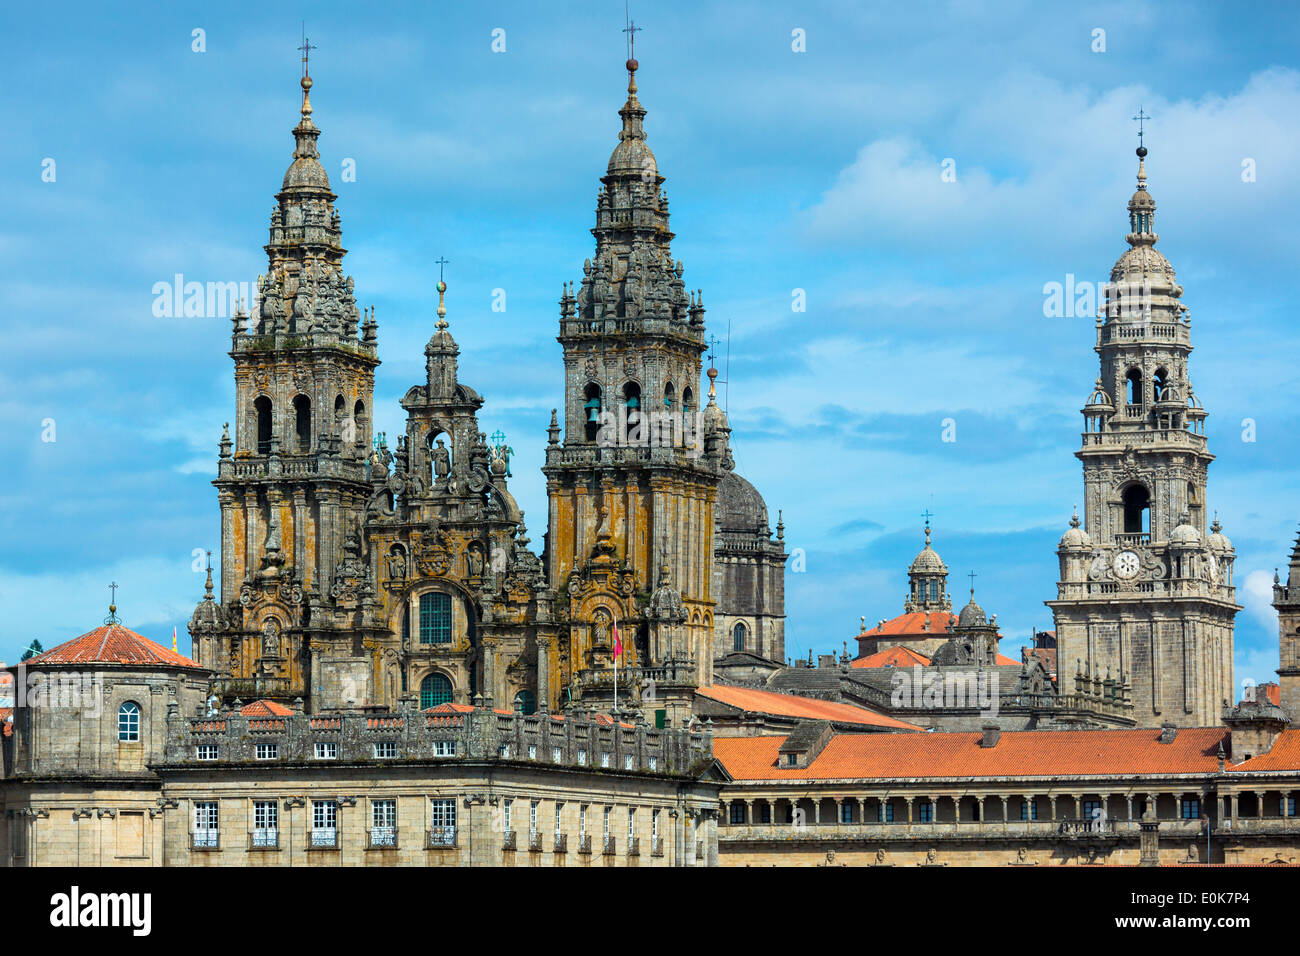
992	734
1168	732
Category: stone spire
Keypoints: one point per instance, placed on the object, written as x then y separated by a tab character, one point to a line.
632	274
305	290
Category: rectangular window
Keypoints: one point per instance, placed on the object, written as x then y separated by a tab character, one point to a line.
556	755
324	823
504	752
435	619
1191	809
654	824
383	823
386	749
1290	807
442	825
1092	810
444	748
266	823
631	825
1028	810
627	762
765	812
582	758
608	811
532	751
582	820
885	812
654	764
532	820
559	811
846	812
604	759
327	751
207	752
206	823
506	806
927	812
736	815
268	751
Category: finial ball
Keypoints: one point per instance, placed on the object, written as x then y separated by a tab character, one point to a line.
632	65
712	373
442	286
306	82
1141	151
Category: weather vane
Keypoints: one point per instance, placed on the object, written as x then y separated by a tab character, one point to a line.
1140	119
306	48
631	30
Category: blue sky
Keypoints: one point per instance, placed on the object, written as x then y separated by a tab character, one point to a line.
815	170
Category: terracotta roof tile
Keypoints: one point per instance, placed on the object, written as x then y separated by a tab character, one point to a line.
112	644
806	708
913	625
265	708
897	656
1284	755
1020	754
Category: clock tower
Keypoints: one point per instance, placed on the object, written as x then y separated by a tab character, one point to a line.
1146	593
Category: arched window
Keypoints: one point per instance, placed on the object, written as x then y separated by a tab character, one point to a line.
525	703
128	722
434	690
738	637
302	422
435	618
262	408
1134	379
1137	509
632	403
591	411
1161	380
359	421
669	395
688	399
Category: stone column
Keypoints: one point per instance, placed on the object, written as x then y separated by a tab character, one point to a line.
544	643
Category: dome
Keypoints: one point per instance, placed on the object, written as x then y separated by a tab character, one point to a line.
632	156
1185	534
1075	536
1143	260
740	507
928	560
972	615
306	171
1099	397
1218	541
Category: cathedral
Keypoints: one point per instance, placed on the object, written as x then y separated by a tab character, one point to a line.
356	575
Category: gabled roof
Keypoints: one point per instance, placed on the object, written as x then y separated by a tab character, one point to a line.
897	656
913	623
112	644
1018	754
1284	755
265	708
802	708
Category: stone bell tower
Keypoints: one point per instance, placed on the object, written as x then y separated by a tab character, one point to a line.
291	481
1286	598
1145	594
631	487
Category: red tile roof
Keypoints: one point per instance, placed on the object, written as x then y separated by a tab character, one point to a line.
1020	754
265	708
7	719
897	656
1004	660
112	644
806	708
912	624
1284	755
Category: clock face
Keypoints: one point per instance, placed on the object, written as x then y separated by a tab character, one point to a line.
1127	564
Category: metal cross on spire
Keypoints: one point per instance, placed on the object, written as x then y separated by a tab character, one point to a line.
927	515
112	607
1140	120
306	48
972	577
631	30
442	261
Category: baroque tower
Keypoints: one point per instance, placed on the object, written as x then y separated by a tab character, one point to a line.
1286	598
292	481
1145	594
632	485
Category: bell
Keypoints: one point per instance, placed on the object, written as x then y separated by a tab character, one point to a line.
593	411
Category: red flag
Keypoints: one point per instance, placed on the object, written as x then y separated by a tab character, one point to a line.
618	641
